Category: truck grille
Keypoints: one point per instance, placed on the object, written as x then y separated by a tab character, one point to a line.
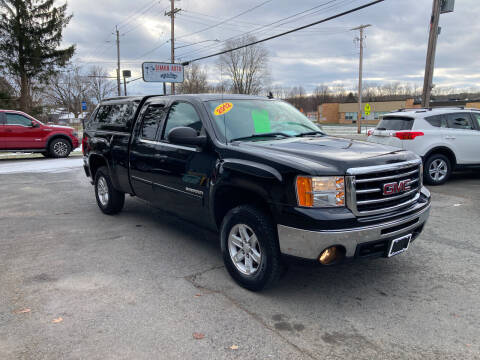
365	187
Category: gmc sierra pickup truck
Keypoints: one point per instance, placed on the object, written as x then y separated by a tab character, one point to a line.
259	173
20	132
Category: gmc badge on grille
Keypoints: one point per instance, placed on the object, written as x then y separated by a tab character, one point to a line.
397	187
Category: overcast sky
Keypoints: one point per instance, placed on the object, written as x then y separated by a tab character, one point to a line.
324	54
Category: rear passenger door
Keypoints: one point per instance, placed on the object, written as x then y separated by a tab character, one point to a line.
462	136
145	152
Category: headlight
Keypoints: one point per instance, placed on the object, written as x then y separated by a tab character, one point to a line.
324	191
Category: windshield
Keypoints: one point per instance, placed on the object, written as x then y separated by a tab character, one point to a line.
236	119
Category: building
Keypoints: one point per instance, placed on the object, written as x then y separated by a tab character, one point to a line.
347	113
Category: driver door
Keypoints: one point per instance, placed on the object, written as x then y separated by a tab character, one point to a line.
20	133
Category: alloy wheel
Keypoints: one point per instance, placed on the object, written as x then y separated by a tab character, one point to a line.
438	170
102	191
60	148
244	249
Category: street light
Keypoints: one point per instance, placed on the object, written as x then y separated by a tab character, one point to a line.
204	41
126	74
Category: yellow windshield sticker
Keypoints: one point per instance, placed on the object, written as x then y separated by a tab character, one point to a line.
223	108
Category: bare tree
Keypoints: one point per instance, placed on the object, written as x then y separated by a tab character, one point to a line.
195	81
247	68
101	86
68	90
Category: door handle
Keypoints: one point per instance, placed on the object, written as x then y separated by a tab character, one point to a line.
8	130
450	137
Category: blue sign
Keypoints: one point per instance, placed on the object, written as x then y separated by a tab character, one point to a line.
84	105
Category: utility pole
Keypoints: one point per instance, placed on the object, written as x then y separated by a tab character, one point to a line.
360	75
119	89
171	13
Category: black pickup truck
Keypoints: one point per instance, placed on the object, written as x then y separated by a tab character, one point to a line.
258	172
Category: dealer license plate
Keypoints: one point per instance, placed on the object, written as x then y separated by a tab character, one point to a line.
397	246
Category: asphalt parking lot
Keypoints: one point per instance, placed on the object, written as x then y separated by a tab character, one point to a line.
77	284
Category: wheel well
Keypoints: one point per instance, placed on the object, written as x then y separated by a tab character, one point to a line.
444	151
54	137
229	197
95	162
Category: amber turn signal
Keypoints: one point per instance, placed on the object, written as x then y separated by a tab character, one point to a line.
304	191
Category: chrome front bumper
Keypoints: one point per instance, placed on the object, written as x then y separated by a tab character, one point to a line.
309	244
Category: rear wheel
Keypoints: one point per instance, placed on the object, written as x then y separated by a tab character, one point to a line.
59	148
250	248
109	199
437	169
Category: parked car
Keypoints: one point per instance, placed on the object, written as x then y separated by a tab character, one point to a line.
259	173
20	132
445	138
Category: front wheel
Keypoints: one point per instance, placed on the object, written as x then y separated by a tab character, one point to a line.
59	148
109	199
250	248
437	170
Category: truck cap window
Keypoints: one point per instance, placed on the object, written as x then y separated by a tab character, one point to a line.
247	118
395	123
115	117
182	114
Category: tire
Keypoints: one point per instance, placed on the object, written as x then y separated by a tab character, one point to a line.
260	265
437	169
109	200
59	148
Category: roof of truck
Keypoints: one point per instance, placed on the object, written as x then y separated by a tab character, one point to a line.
201	97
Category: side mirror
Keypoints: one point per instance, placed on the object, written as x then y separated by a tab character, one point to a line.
186	136
35	124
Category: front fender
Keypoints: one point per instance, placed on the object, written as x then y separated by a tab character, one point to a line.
251	168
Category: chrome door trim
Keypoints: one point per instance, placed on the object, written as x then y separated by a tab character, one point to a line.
161	143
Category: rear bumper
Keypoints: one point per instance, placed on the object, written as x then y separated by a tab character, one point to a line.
310	244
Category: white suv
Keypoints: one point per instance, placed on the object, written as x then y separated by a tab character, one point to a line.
445	138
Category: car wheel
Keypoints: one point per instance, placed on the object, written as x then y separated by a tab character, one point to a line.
59	148
250	248
109	200
437	169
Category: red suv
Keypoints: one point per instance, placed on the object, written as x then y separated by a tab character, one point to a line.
21	132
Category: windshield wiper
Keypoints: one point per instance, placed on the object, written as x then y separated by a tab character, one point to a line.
272	134
311	133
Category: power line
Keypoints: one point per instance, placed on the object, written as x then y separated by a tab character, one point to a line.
266	26
226	20
288	32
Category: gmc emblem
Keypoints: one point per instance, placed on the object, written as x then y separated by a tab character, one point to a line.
395	188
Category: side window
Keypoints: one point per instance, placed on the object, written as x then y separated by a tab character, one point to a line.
459	121
151	119
476	116
182	114
16	119
437	121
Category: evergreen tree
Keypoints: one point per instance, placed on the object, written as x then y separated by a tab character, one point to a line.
30	34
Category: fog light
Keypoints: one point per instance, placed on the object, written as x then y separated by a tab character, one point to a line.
331	255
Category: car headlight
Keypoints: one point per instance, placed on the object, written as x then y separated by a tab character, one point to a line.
320	191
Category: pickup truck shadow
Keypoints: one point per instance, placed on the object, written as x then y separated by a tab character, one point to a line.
350	279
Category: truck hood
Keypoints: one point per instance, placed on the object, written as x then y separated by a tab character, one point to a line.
323	155
60	127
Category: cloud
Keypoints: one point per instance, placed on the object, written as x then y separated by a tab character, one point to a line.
325	54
